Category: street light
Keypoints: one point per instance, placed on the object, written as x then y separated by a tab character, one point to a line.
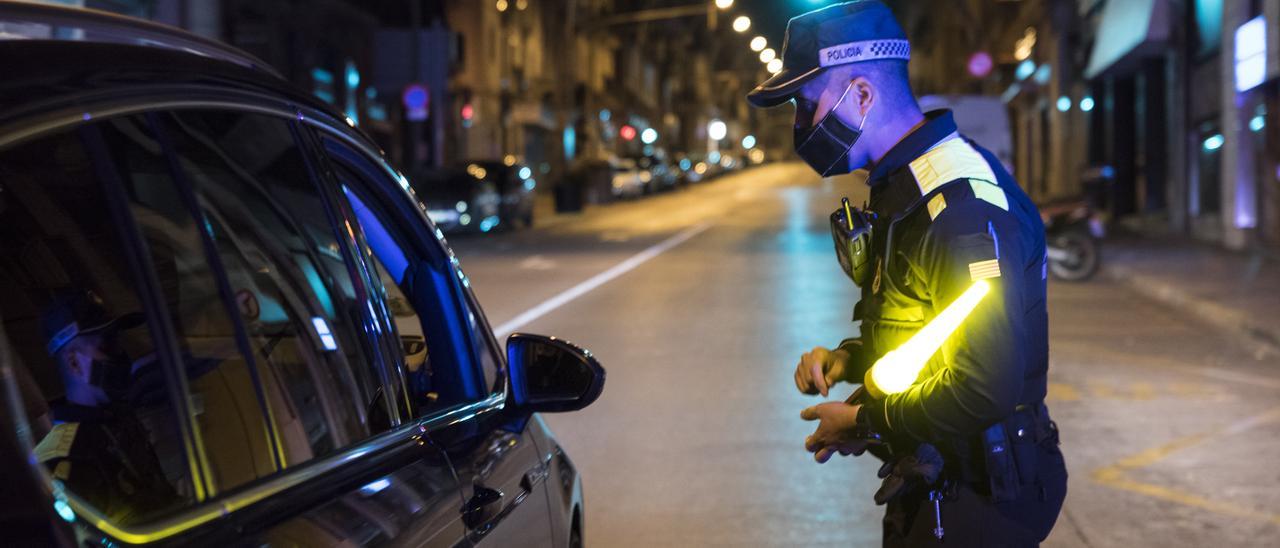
1025	69
758	43
768	55
724	4
716	130
774	66
741	23
749	142
648	136
502	5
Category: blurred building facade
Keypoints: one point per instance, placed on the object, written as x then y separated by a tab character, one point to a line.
1171	101
546	83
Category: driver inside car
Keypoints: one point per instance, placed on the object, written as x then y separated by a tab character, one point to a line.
98	447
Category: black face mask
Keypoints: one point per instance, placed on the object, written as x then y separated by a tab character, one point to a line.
825	145
112	375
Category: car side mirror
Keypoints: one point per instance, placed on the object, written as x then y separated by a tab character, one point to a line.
550	375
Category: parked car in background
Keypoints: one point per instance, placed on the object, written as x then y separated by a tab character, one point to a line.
294	355
662	176
714	163
459	199
514	183
629	180
692	170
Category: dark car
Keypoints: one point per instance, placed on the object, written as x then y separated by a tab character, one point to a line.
662	174
514	183
459	200
228	322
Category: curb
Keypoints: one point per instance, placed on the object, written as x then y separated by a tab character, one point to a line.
546	216
1266	339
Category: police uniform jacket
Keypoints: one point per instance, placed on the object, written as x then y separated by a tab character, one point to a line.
948	214
104	456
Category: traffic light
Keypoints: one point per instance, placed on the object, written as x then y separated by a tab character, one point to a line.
468	114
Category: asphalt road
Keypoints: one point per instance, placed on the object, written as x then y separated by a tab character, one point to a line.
700	302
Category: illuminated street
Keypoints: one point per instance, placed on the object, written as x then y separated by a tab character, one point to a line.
559	273
1168	426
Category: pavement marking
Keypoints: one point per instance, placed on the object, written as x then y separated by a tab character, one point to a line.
1137	391
568	295
1062	392
1114	475
1263	381
537	262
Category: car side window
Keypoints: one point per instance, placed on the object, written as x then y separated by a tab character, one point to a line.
265	319
421	282
78	328
491	362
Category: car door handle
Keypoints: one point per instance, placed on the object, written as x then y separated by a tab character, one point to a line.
533	477
484	505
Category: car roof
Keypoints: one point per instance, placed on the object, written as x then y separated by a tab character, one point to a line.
114	53
31	20
47	73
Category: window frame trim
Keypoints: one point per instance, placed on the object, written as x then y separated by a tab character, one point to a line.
222	506
460	287
76	117
391	373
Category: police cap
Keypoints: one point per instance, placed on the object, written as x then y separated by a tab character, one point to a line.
79	312
852	32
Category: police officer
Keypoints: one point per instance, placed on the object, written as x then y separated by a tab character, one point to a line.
98	448
971	456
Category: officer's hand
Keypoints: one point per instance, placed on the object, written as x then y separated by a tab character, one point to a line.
837	431
820	368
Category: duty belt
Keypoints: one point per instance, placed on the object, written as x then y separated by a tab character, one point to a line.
1009	450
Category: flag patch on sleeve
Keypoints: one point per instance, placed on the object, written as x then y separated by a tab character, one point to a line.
984	269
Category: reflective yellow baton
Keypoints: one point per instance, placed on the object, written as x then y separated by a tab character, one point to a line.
894	372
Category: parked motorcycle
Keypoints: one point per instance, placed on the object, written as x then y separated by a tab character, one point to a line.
1073	232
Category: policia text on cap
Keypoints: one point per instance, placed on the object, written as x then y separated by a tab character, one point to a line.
971	456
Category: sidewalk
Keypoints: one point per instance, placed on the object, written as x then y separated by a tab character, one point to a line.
1238	292
545	214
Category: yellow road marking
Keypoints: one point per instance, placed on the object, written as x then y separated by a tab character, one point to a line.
1135	391
1114	475
1161	362
1062	392
1102	390
1142	391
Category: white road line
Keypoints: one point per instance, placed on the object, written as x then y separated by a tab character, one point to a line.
1235	376
1245	425
568	295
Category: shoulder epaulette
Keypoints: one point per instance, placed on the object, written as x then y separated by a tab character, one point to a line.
952	161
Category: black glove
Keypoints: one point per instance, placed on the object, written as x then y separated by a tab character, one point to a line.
909	473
